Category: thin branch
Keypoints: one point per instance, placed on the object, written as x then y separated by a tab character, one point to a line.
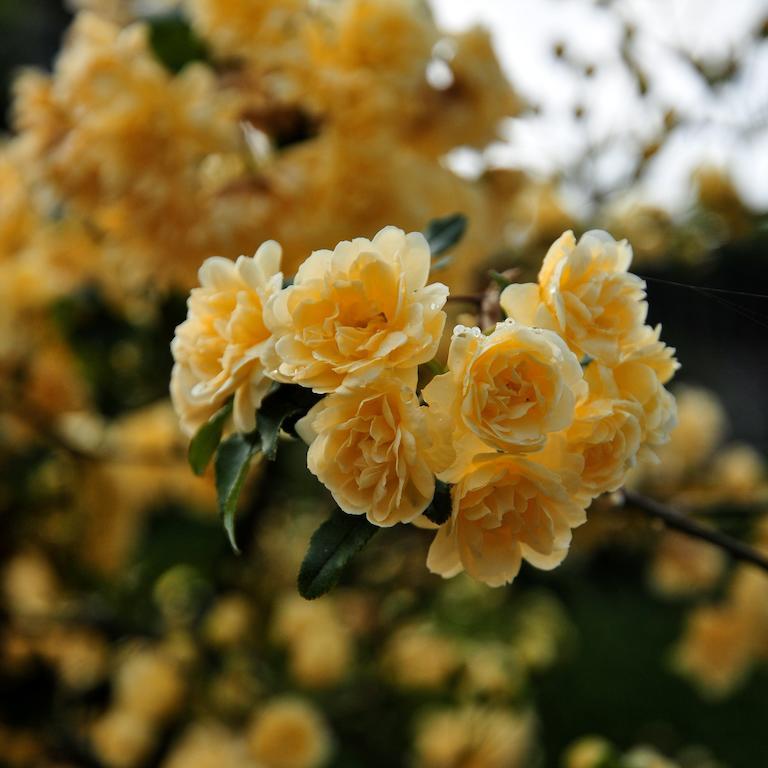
466	298
678	521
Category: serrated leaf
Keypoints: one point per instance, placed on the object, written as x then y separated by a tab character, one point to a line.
232	462
206	440
439	510
282	408
444	233
331	548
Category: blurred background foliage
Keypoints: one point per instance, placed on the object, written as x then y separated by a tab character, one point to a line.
131	635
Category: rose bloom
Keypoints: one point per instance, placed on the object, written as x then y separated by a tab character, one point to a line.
586	294
506	390
506	509
376	451
357	312
219	349
637	380
651	351
607	432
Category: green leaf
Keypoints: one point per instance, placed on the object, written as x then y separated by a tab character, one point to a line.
232	462
331	548
436	367
443	234
207	439
282	408
439	510
174	42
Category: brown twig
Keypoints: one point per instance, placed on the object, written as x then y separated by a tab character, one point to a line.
466	298
490	308
678	521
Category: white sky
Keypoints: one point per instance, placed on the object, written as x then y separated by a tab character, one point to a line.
730	125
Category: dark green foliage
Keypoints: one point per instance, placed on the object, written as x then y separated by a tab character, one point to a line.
281	409
174	42
439	511
442	234
233	460
121	359
331	548
205	442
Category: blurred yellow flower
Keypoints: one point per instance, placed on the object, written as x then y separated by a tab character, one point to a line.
121	738
465	97
588	752
149	684
506	509
246	29
646	757
507	390
738	471
124	145
18	218
357	312
80	656
475	737
586	294
319	643
684	566
418	657
701	423
220	348
30	586
289	733
230	621
749	595
375	450
393	38
208	745
492	670
716	649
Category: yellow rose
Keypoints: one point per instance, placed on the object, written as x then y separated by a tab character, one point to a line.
586	294
507	390
357	312
506	509
651	351
219	350
607	432
638	380
375	450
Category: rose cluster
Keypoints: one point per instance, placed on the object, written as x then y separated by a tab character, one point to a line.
531	420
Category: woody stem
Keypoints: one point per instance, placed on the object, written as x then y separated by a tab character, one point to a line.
678	521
